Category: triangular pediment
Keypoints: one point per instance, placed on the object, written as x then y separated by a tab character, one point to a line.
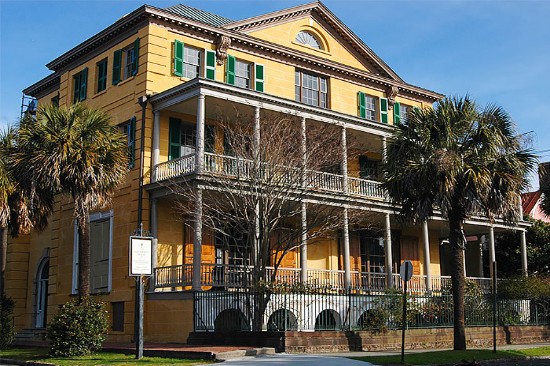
333	40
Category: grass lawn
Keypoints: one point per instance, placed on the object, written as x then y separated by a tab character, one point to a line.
452	357
102	358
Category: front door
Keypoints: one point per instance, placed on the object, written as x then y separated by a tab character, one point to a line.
42	293
409	250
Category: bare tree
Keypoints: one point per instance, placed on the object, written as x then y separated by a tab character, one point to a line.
256	192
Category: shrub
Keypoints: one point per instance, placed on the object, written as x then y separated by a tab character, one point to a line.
79	328
6	321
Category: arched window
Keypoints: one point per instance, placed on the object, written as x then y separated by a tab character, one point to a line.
308	39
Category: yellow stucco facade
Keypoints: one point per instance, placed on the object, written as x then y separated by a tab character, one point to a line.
348	67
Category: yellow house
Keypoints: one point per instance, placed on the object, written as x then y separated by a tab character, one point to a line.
168	77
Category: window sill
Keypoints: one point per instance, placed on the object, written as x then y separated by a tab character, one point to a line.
311	48
100	93
122	82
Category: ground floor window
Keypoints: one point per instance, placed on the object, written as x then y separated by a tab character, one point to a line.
101	237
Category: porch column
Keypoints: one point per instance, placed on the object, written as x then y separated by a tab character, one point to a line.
347	266
197	241
523	239
154	234
384	149
199	153
344	165
156	142
256	152
303	241
492	257
389	259
427	261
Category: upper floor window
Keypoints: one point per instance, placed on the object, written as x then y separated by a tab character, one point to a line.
400	113
187	60
80	82
126	62
101	69
245	74
308	39
372	108
311	89
129	129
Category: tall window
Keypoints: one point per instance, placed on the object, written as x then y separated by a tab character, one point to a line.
191	62
368	168
80	82
242	74
126	62
373	256
101	69
129	129
101	236
311	89
370	107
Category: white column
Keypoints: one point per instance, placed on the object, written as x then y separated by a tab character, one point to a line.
389	258
344	166
427	260
492	256
256	152
154	233
197	241
384	148
347	266
303	245
303	242
199	153
156	140
523	239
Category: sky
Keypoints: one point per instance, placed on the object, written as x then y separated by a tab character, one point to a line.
496	51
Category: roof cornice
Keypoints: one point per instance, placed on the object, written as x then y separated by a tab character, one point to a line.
46	83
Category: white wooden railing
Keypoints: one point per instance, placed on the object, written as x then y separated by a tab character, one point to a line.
233	167
234	276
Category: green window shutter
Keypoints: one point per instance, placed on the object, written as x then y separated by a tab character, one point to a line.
383	110
230	70
209	138
363	171
102	75
210	69
76	88
135	61
396	113
132	142
178	58
117	61
361	105
259	77
83	83
174	147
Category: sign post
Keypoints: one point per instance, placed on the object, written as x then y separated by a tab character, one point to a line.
405	272
140	266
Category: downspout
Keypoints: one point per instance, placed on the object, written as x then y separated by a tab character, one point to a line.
143	103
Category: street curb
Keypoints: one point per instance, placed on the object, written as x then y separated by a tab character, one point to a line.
9	361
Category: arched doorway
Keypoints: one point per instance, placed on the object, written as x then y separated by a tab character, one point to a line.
42	276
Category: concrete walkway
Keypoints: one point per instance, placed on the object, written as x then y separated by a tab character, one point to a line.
300	360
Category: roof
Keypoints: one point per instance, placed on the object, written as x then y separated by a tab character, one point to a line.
198	15
528	201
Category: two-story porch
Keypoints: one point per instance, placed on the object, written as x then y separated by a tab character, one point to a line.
364	257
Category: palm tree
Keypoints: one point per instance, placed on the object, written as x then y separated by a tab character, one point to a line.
74	151
459	160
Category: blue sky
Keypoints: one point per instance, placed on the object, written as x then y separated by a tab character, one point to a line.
496	51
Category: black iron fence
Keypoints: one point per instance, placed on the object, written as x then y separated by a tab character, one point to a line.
308	311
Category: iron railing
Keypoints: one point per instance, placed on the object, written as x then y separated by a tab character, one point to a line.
279	311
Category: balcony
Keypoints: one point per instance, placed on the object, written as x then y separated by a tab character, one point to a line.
243	169
224	276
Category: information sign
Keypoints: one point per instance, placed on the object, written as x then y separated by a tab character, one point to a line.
141	259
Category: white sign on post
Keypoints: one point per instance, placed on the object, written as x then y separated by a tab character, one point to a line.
141	259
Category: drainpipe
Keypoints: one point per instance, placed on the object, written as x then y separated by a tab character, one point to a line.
142	101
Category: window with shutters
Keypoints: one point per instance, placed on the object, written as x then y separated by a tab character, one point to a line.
80	82
191	62
182	138
373	254
126	62
368	168
129	129
372	108
101	237
311	89
244	74
400	113
101	72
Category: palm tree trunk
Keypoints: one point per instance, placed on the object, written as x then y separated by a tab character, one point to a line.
3	252
83	254
456	241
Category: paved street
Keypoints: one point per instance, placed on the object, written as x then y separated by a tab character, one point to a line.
301	360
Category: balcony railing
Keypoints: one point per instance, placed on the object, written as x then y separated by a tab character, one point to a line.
237	168
238	277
